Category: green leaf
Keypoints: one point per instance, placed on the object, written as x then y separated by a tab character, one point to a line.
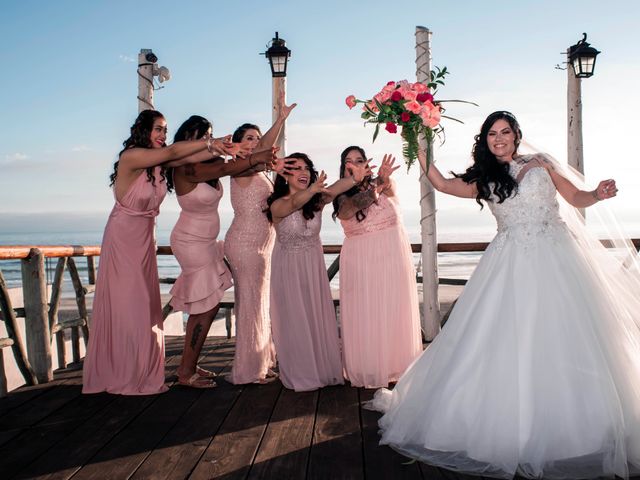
375	133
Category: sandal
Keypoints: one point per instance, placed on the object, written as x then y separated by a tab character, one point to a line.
197	381
205	373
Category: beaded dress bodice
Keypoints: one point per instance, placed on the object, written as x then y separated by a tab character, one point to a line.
531	212
295	232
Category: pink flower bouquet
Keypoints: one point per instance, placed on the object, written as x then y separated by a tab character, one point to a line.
410	106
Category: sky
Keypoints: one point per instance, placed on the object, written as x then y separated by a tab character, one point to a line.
68	90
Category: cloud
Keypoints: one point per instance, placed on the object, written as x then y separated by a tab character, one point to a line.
80	148
127	58
16	157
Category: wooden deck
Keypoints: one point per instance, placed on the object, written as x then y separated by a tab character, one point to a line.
230	432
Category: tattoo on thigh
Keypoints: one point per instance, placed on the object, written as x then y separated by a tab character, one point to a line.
197	330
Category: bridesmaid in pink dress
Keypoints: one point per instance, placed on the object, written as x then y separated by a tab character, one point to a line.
248	245
205	276
125	354
304	324
378	293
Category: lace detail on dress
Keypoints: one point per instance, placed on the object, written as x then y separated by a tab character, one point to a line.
531	212
295	232
380	216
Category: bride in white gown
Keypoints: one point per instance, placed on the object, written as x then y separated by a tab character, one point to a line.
537	371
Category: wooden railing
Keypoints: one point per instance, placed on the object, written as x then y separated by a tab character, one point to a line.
41	313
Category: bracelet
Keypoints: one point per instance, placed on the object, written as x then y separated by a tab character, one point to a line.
595	195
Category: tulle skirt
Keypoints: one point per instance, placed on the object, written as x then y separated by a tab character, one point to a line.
537	372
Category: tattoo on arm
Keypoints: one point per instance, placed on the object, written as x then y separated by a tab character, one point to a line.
195	336
364	199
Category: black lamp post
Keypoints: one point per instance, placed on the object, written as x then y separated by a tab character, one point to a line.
278	55
582	57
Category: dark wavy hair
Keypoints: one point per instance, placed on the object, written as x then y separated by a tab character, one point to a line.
242	129
193	128
360	214
489	174
140	138
281	189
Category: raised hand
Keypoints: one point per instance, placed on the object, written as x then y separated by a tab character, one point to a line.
282	166
606	189
320	185
387	168
266	156
359	171
282	108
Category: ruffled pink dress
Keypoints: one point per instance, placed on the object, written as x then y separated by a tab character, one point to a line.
204	276
305	330
379	312
125	354
248	247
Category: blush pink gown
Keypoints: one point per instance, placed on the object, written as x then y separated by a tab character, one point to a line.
204	276
305	331
125	354
248	246
379	312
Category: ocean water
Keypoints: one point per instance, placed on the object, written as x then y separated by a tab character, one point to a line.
451	265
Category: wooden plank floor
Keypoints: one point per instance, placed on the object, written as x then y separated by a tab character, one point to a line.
230	432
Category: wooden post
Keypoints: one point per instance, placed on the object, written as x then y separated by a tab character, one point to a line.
430	303
36	315
13	331
575	156
145	81
91	270
279	84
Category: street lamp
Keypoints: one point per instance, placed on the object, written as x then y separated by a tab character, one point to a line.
582	57
278	55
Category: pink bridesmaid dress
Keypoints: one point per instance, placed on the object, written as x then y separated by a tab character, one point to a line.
305	331
204	276
248	246
379	312
125	354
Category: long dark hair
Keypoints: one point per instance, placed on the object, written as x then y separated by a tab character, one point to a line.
360	214
487	172
193	128
242	129
140	138
281	189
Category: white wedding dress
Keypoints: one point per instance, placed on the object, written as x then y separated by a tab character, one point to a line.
537	371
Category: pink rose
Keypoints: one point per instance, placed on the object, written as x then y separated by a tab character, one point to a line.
408	94
430	115
405	117
391	83
372	106
424	97
351	101
383	96
396	96
413	106
391	127
419	87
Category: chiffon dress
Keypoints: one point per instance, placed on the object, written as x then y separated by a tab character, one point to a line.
379	313
204	276
305	331
125	354
248	247
537	371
